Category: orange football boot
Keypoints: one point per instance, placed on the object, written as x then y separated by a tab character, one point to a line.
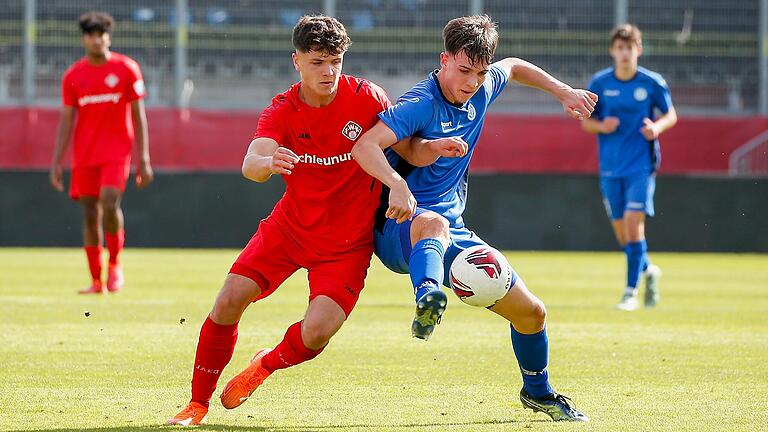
95	288
193	415
240	388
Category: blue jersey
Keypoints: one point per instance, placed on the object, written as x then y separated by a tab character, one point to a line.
626	151
425	112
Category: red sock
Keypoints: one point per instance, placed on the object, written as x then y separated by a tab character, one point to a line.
290	352
94	261
115	245
214	350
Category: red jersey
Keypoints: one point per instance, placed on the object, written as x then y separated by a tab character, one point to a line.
330	202
102	95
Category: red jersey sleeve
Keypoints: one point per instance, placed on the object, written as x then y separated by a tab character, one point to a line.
270	122
68	93
135	84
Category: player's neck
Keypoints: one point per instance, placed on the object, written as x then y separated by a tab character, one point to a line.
97	60
316	100
625	73
445	92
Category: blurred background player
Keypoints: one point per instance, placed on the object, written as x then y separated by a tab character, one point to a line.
629	152
102	97
453	101
323	223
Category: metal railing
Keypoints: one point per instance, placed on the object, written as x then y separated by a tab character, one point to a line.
236	53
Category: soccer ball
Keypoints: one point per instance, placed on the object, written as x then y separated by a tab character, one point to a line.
480	276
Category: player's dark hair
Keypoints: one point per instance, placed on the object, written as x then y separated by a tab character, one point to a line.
96	22
320	33
475	35
627	33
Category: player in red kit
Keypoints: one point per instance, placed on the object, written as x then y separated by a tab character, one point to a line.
104	92
323	223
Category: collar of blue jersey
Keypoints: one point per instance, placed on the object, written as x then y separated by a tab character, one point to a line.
613	74
433	75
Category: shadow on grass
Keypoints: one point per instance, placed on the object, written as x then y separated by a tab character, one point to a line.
222	427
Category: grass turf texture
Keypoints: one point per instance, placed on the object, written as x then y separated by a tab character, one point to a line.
698	362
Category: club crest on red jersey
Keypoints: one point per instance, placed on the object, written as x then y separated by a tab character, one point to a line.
352	130
111	80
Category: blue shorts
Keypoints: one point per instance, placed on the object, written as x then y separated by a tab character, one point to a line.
631	193
393	246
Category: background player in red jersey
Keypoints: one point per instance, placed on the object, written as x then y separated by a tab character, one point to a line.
104	91
323	223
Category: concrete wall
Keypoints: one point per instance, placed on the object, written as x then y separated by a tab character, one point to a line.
547	212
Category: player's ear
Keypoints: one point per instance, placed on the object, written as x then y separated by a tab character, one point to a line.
639	50
295	58
443	59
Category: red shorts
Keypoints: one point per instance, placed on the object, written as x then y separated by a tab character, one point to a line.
88	180
272	256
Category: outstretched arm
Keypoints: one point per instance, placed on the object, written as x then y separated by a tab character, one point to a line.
265	157
421	152
577	103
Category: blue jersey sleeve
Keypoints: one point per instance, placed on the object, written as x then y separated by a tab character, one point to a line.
495	81
662	98
411	114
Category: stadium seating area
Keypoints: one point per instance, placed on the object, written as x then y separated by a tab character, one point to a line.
706	49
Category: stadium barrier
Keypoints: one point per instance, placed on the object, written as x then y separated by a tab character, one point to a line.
511	211
199	140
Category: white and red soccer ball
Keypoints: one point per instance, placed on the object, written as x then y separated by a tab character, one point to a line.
480	276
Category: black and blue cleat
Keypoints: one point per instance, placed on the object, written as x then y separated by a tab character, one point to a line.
557	406
429	311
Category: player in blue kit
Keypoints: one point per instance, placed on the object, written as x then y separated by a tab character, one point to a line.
629	153
424	240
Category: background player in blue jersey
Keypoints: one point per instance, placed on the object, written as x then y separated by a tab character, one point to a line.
424	240
629	152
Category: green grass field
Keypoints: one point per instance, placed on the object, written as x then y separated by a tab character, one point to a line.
698	362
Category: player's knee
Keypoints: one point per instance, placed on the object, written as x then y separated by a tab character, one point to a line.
316	334
538	314
109	203
433	226
91	214
228	307
534	318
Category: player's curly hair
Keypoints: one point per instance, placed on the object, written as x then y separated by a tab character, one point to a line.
320	33
475	35
627	33
96	22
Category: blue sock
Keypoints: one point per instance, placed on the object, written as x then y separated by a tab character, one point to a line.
532	352
426	266
635	252
646	260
